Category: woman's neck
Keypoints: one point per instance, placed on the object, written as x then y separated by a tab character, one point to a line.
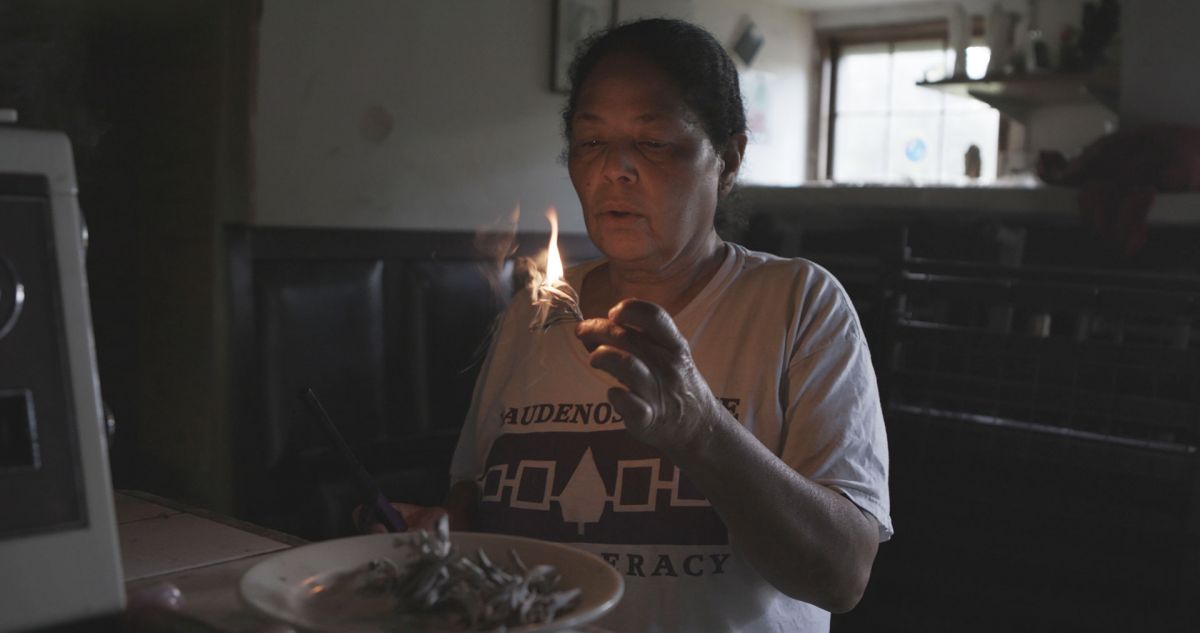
672	286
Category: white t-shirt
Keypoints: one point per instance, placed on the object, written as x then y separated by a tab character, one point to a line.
779	343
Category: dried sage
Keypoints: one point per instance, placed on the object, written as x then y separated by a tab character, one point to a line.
474	592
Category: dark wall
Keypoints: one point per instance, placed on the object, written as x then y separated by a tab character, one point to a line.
146	91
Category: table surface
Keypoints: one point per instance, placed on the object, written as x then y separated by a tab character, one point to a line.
203	555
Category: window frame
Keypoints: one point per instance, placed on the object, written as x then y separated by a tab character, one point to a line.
830	43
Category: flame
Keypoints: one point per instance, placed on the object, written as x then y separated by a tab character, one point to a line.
555	300
554	265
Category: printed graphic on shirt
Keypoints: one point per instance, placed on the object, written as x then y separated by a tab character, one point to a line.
600	486
673	564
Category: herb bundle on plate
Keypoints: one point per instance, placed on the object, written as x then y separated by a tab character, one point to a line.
477	592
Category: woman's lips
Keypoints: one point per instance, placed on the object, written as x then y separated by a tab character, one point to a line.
620	218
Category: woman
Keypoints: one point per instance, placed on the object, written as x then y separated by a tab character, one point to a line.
712	429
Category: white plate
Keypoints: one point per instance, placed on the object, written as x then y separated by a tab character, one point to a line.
289	586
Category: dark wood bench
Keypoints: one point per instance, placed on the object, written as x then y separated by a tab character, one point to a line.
389	328
1042	399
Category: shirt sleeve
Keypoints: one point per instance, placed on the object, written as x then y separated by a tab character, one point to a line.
834	432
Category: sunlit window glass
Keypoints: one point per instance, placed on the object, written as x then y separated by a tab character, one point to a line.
887	129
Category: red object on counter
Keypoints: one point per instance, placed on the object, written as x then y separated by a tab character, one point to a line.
1120	174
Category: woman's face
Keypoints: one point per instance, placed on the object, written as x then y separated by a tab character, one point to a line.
647	174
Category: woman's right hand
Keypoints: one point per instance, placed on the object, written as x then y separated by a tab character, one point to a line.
417	517
459	506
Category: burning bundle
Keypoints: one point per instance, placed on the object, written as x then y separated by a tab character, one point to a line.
556	301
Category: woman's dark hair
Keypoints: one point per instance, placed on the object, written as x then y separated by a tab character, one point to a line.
689	55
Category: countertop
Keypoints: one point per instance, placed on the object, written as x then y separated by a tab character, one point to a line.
165	544
1047	201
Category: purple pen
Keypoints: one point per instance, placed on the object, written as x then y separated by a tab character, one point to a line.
370	488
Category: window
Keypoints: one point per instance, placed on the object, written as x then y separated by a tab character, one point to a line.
883	128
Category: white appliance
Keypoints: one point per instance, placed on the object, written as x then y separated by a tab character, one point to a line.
59	558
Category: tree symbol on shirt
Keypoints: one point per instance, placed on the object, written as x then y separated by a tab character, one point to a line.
582	500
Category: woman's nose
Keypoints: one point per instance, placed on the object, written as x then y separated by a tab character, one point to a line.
619	163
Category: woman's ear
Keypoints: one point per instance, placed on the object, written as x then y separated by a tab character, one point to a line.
732	162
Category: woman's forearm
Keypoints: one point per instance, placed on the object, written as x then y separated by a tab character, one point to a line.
807	540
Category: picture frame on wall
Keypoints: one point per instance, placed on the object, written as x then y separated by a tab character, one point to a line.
574	21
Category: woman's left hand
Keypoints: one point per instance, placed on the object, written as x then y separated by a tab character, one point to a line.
806	539
665	402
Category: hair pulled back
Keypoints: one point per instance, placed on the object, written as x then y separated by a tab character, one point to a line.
693	59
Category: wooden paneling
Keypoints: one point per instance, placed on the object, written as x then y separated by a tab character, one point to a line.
1042	400
319	325
389	327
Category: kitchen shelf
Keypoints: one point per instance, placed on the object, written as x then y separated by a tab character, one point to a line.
1018	95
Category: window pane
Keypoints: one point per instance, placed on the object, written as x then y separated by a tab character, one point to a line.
887	129
913	62
862	78
859	155
914	148
957	103
963	129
